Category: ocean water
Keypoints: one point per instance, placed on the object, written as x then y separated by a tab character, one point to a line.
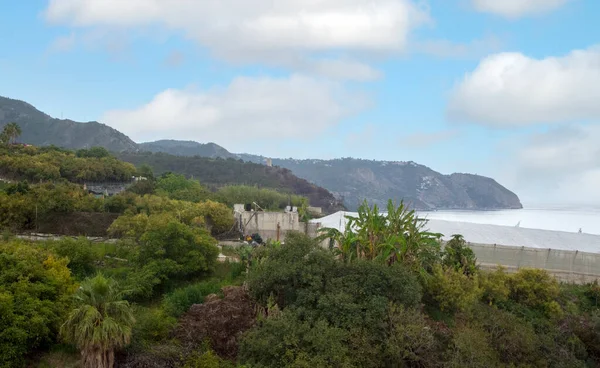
552	218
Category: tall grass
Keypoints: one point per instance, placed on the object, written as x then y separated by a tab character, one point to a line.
266	198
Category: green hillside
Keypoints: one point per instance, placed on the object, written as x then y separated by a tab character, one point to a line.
218	172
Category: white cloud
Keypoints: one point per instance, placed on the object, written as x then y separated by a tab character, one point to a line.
447	49
561	166
262	30
247	113
174	59
511	89
63	43
256	24
340	69
426	139
517	8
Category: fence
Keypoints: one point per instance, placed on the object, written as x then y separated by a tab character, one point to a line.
566	265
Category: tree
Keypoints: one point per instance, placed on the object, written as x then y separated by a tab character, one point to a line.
10	133
459	256
94	152
100	323
35	292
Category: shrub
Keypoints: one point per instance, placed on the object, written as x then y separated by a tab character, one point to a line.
285	271
151	326
308	278
217	216
410	340
287	341
494	285
513	339
593	293
470	348
536	289
180	300
452	290
207	359
80	253
459	256
35	295
358	294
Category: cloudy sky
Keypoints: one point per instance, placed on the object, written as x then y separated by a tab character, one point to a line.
504	88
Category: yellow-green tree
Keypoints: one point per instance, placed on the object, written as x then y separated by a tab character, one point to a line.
10	133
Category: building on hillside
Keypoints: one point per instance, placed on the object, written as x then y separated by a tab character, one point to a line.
101	190
271	225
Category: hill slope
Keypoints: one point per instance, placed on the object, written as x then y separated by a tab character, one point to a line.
351	179
219	172
43	130
186	148
377	181
354	180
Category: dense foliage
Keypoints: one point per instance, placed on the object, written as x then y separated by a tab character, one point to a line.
217	172
388	293
49	164
35	291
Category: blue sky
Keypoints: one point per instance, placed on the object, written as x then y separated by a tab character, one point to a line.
508	89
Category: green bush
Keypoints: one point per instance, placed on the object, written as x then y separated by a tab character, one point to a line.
308	278
536	289
452	290
179	301
513	339
80	253
359	294
470	347
178	187
35	296
410	340
151	326
287	341
494	285
459	256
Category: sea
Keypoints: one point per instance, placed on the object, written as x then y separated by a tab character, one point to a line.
569	219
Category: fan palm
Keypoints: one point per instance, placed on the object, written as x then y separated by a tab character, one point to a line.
100	323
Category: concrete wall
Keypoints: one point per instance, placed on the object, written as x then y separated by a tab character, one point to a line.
266	224
565	265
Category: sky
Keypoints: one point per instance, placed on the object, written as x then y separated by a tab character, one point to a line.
504	88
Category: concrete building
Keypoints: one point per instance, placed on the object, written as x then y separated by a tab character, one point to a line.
271	225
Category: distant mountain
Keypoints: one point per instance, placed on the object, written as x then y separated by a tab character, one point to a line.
186	148
355	180
43	130
217	172
350	180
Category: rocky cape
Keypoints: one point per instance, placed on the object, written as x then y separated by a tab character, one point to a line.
355	180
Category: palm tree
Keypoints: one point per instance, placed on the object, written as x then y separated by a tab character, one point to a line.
100	323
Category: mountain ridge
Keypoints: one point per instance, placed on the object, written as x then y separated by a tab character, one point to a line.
349	179
43	130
